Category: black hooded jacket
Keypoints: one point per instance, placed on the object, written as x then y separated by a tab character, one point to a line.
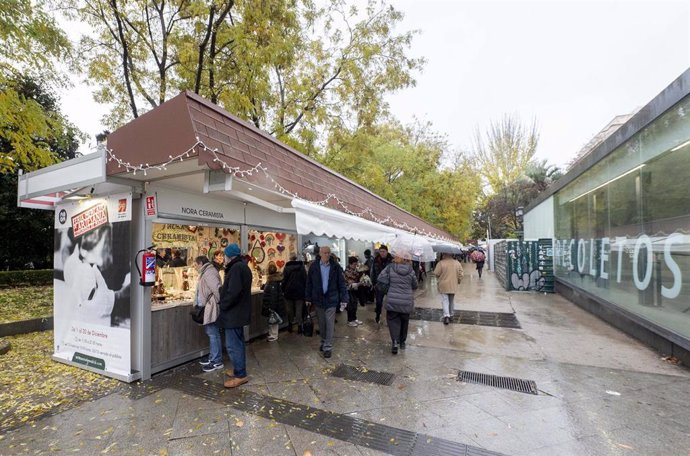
294	280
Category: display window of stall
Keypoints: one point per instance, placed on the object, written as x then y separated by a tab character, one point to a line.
177	246
266	247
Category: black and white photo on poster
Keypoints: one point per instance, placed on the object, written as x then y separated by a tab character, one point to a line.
92	281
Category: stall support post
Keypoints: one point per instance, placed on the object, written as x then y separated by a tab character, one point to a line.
244	239
141	296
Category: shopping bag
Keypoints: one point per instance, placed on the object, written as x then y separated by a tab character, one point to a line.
275	319
308	327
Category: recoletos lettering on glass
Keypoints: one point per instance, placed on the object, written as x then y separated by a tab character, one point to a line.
641	252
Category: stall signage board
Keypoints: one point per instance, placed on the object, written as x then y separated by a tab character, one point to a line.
151	206
92	282
182	205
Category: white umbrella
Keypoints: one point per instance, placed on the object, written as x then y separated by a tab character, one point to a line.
412	246
447	248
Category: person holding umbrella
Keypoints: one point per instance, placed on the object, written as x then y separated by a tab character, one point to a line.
401	281
478	257
449	272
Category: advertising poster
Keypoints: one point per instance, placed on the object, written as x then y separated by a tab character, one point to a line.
92	282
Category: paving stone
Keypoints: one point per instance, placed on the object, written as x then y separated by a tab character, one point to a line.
201	445
573	414
195	422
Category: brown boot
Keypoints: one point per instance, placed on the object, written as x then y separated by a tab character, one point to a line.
230	373
235	382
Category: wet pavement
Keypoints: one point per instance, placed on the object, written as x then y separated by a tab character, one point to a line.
600	393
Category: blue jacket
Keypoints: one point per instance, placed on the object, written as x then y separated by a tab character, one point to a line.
337	289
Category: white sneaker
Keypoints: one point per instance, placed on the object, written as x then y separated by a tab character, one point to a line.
359	322
353	324
271	339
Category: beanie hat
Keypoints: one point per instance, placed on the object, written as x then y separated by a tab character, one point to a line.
232	250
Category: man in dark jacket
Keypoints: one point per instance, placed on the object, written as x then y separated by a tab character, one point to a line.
380	262
235	311
326	288
294	282
369	263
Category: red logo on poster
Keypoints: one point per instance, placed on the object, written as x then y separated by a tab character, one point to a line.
122	205
151	206
90	219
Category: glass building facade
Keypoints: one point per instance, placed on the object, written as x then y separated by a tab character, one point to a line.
622	228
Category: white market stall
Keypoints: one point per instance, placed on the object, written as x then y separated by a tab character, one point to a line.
192	202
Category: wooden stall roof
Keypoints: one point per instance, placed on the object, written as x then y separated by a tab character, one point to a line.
177	125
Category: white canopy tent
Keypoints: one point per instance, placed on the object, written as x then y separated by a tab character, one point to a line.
323	221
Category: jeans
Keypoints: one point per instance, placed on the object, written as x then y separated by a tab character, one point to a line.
398	323
215	355
234	344
448	307
352	306
326	319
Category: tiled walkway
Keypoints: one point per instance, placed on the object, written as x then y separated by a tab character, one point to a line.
600	393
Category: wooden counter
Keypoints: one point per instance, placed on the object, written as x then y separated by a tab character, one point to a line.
174	336
176	339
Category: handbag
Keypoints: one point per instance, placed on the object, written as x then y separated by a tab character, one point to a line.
197	314
382	287
308	327
275	319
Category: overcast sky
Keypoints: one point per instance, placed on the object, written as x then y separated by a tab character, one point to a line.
570	65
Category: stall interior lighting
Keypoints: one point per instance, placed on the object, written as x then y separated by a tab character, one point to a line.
607	182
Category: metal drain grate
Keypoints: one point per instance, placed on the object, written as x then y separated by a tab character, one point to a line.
369	434
363	375
468	317
515	384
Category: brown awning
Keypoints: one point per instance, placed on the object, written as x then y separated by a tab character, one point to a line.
188	120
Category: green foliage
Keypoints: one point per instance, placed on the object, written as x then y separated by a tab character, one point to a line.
30	38
542	174
34	134
26	278
505	150
497	210
31	42
402	164
292	68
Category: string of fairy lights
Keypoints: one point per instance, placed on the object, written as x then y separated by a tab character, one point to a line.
257	169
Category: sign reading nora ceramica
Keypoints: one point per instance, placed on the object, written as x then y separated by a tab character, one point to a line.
92	283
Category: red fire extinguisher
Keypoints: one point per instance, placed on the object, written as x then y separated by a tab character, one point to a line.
147	272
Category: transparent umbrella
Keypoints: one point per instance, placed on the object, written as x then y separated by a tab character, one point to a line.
412	246
447	248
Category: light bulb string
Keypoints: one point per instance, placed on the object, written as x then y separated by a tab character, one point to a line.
260	168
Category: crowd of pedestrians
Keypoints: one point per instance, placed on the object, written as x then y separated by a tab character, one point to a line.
323	289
